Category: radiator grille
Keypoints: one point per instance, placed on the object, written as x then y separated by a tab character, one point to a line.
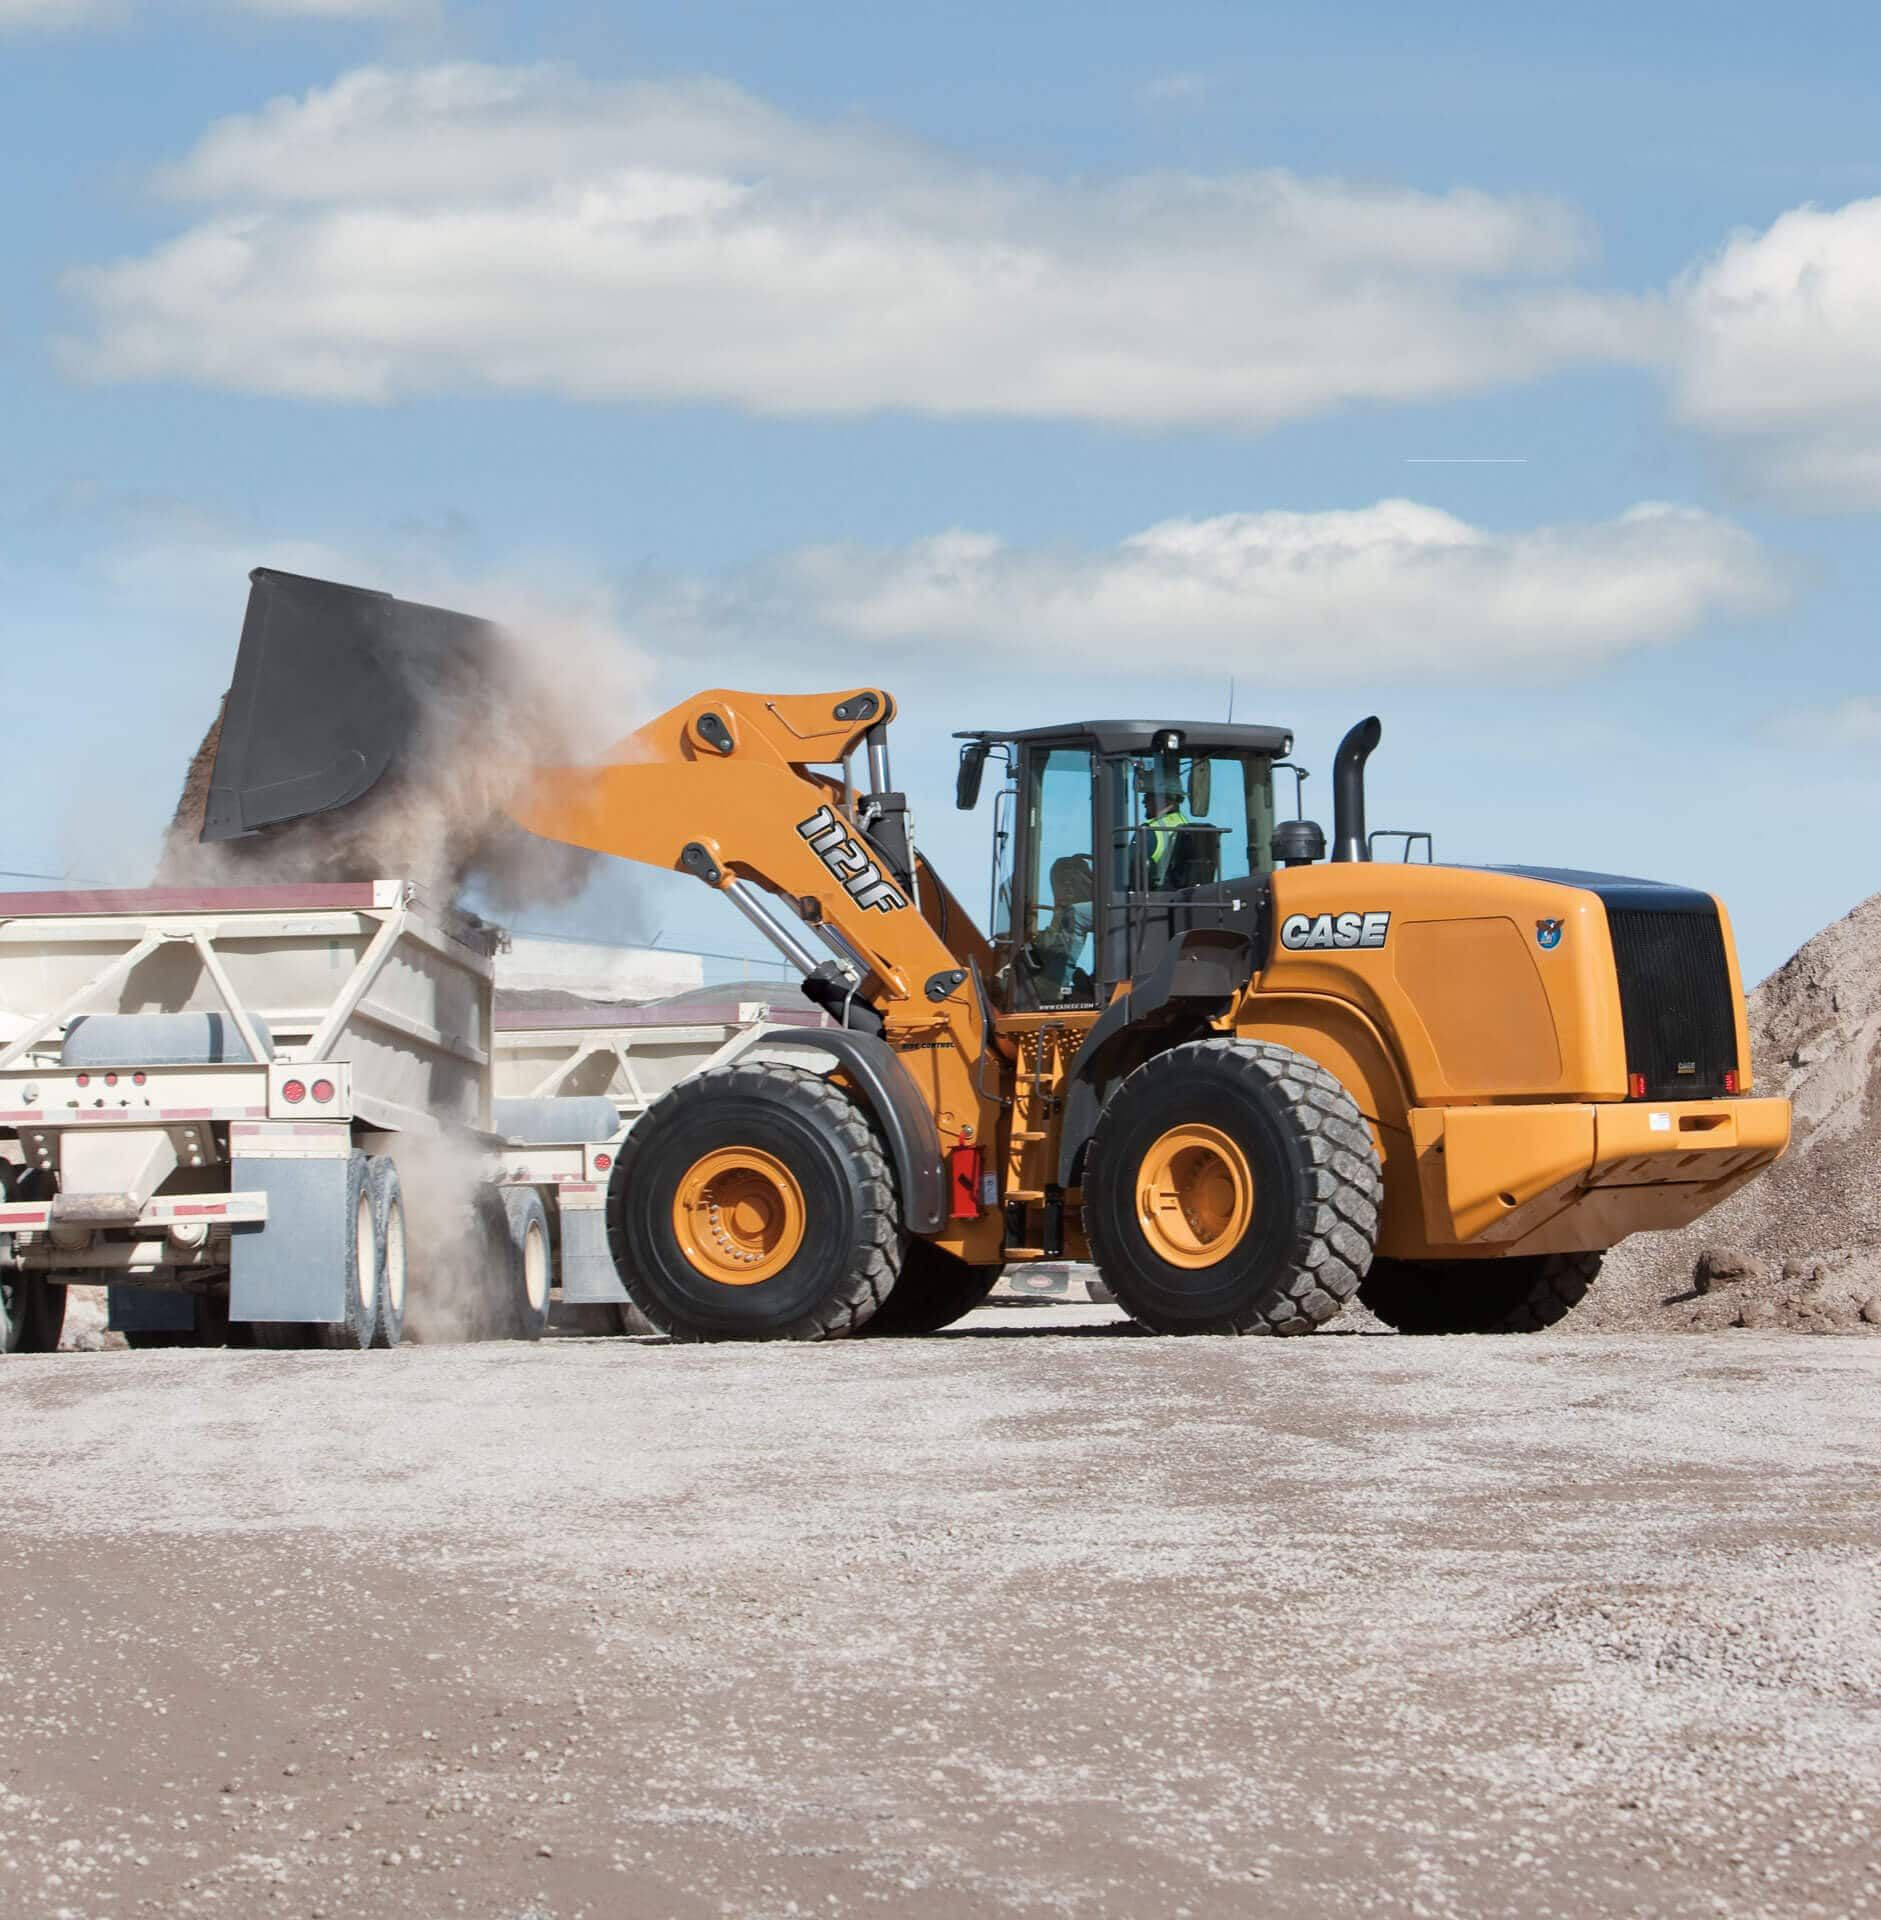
1675	999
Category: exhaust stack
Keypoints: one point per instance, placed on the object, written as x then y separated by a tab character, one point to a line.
1348	790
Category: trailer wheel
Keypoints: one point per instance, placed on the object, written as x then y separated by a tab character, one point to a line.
388	1215
1232	1187
532	1263
361	1258
935	1288
32	1308
1521	1293
755	1202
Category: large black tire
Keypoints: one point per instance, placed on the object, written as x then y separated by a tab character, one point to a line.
359	1265
388	1217
776	1174
532	1270
935	1288
1522	1293
32	1308
1232	1187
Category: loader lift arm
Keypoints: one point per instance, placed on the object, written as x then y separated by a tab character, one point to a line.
749	793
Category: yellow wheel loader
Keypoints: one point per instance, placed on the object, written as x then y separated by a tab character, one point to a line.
1247	1080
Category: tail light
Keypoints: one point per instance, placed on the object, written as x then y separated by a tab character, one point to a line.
323	1091
1730	1080
963	1179
1636	1086
602	1161
293	1091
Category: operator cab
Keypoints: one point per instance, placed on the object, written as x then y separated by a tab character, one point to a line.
1114	837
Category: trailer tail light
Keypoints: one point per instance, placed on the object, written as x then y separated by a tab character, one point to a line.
111	1079
1636	1086
293	1091
139	1077
602	1161
1730	1080
963	1179
84	1079
323	1091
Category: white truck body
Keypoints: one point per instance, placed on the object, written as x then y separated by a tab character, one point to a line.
630	1054
344	1019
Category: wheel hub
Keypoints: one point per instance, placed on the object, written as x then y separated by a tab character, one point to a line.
1195	1196
738	1216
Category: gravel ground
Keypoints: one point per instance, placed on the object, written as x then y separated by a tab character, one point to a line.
1037	1615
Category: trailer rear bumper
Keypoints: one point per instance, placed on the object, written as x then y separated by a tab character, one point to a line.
1556	1179
156	1216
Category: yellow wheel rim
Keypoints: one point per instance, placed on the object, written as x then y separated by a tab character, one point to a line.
738	1216
1194	1196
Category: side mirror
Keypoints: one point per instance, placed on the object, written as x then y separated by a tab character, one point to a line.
967	781
1201	785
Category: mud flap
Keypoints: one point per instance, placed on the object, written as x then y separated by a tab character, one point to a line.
145	1310
587	1271
294	1269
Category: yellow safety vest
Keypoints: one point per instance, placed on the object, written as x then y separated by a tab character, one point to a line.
1161	833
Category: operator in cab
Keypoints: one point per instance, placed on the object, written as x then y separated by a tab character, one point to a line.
1165	812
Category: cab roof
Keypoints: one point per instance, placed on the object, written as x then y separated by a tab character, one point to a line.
1142	736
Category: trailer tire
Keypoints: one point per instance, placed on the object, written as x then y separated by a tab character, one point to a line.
1232	1186
32	1308
532	1265
1521	1293
934	1289
388	1215
360	1301
755	1202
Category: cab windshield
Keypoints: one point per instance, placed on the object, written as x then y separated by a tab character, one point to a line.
1183	821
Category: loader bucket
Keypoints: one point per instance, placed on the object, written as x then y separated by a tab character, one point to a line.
332	683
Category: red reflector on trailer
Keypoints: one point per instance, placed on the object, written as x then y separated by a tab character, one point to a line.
293	1092
1636	1086
84	1079
323	1091
111	1079
1730	1079
602	1161
139	1077
963	1178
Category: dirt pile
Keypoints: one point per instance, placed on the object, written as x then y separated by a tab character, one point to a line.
1801	1246
539	694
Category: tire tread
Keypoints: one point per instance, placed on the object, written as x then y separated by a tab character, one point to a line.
1337	1223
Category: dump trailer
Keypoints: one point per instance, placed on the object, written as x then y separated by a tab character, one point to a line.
629	1055
267	1113
1247	1080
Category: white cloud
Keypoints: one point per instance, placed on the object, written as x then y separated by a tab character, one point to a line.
1395	589
524	229
58	16
1777	352
51	16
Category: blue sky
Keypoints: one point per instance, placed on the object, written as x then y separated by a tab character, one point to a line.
1517	377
